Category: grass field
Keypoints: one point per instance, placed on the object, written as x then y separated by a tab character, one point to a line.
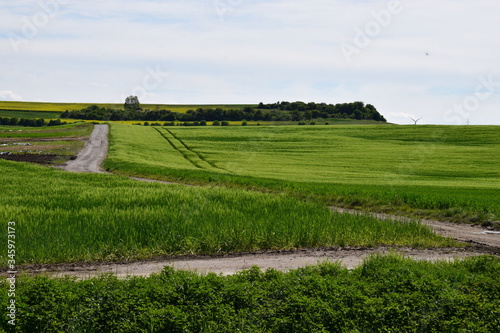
62	217
272	187
444	171
71	130
29	114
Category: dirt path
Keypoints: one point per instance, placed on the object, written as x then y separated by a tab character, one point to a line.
468	233
89	160
93	154
230	264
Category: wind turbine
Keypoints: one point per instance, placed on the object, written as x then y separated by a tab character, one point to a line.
415	120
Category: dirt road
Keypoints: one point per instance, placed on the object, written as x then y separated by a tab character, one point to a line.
93	154
483	241
468	233
230	264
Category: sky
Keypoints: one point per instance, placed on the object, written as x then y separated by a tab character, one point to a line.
435	60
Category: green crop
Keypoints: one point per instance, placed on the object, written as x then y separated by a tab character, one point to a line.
439	171
64	217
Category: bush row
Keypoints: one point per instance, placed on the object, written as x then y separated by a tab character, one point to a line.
385	294
28	122
186	123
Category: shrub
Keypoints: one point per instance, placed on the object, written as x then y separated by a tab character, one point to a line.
55	122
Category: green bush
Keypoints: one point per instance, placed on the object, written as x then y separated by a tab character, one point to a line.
385	294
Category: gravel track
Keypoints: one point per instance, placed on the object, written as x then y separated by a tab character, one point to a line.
93	154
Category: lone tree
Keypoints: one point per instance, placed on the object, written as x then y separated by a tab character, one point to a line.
132	103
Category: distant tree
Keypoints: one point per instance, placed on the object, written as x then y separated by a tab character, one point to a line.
358	114
296	115
132	103
308	115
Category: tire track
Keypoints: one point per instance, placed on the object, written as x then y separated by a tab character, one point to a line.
201	157
178	150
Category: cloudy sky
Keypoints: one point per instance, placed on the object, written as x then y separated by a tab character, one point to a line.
433	59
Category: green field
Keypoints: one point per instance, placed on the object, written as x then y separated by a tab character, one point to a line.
443	171
29	114
267	189
67	131
63	217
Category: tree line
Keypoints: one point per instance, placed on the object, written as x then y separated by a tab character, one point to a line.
29	122
281	111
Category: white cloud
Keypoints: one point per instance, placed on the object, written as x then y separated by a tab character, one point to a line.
8	95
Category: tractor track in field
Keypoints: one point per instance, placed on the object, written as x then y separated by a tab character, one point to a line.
196	159
480	240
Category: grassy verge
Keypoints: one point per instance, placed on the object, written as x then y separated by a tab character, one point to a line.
62	217
385	294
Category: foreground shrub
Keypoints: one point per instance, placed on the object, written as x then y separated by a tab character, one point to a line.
385	294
